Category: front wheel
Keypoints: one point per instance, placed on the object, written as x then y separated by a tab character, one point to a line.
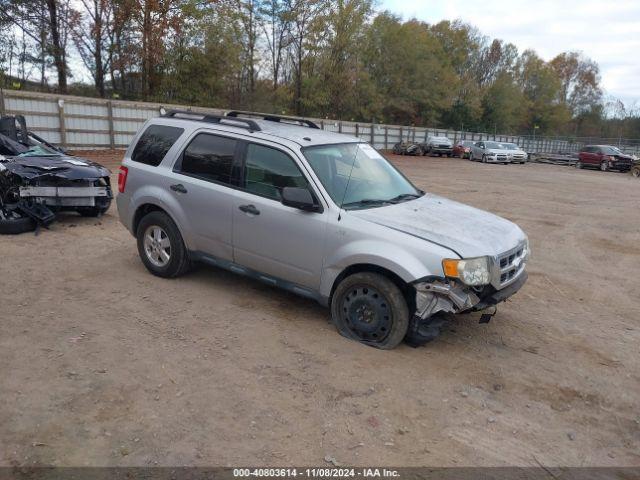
370	308
604	166
484	159
635	171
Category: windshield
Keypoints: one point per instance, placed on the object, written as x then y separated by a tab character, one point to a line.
356	176
501	146
611	150
40	151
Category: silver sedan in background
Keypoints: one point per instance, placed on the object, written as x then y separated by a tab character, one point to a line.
497	152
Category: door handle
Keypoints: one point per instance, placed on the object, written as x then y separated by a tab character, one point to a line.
251	209
178	188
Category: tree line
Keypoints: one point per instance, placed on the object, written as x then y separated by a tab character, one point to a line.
322	58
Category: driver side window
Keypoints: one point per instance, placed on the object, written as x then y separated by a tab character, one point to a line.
268	171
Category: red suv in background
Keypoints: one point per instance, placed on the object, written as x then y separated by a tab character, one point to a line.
604	157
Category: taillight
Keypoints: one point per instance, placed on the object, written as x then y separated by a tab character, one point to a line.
122	178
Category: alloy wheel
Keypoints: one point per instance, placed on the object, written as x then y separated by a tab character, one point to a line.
157	246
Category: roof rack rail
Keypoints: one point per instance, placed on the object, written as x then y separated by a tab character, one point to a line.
273	118
246	123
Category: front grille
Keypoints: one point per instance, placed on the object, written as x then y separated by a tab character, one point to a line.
511	264
519	156
444	146
501	156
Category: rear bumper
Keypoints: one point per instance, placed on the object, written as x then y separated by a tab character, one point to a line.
122	201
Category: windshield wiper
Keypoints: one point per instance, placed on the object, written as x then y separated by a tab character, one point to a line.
404	197
365	202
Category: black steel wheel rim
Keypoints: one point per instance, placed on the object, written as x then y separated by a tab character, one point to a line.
367	313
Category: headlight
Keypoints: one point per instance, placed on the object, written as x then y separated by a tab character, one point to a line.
472	271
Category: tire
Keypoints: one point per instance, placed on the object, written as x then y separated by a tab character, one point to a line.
604	166
579	165
370	308
160	227
635	171
484	159
15	226
423	331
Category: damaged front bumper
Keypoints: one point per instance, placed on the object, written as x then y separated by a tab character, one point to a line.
450	296
77	196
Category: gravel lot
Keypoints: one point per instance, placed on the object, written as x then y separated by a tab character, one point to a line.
104	364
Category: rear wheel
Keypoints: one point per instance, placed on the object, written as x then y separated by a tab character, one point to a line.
484	159
370	308
161	247
579	164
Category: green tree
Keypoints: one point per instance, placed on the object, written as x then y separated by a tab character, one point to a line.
579	81
403	61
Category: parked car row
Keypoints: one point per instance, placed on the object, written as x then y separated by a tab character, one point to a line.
434	145
485	151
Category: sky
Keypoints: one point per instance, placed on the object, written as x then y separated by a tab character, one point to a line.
606	31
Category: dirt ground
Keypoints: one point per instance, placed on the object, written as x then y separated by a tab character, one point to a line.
103	364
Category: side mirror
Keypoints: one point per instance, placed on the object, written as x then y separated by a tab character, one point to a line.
299	198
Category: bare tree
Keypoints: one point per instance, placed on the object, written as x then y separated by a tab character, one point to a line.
276	24
91	32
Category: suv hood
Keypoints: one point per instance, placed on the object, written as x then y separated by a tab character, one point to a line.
468	231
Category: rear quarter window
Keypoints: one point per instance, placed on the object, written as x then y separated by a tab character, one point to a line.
154	144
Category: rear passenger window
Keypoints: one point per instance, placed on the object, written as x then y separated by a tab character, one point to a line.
154	144
269	170
209	157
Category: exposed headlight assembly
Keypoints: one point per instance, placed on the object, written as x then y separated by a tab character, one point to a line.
471	271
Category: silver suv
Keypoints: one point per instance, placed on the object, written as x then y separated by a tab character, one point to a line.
321	214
